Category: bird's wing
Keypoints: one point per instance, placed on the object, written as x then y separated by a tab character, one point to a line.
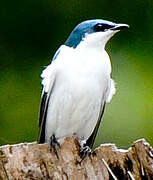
48	82
109	93
91	139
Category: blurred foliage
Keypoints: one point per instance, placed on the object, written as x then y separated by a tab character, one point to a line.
31	32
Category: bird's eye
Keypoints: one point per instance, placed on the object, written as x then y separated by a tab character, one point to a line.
102	27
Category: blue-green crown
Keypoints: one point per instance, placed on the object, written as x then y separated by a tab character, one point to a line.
87	27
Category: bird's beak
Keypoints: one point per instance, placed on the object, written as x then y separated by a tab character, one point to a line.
120	26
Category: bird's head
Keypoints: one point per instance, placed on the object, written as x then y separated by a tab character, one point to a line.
93	33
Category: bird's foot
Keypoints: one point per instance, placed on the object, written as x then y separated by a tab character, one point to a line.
85	151
54	144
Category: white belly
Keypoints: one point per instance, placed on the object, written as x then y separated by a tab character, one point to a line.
73	110
76	99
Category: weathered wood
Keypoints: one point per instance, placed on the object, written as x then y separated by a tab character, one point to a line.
38	161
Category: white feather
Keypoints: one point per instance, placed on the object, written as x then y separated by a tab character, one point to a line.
111	91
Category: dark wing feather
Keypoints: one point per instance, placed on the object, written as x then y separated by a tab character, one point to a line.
43	112
42	118
91	139
42	107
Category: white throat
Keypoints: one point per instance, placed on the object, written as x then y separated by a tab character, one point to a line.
96	40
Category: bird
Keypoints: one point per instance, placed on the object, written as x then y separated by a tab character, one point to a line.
76	85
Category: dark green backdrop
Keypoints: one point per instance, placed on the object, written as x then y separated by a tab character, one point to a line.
30	33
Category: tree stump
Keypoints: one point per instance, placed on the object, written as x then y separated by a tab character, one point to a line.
38	161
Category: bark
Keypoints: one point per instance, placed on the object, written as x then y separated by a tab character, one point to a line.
38	161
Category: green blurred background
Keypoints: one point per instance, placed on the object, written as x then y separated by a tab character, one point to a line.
30	33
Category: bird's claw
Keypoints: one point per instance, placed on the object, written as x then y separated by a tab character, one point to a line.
54	144
85	151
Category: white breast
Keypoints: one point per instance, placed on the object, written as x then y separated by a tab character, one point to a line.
82	80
